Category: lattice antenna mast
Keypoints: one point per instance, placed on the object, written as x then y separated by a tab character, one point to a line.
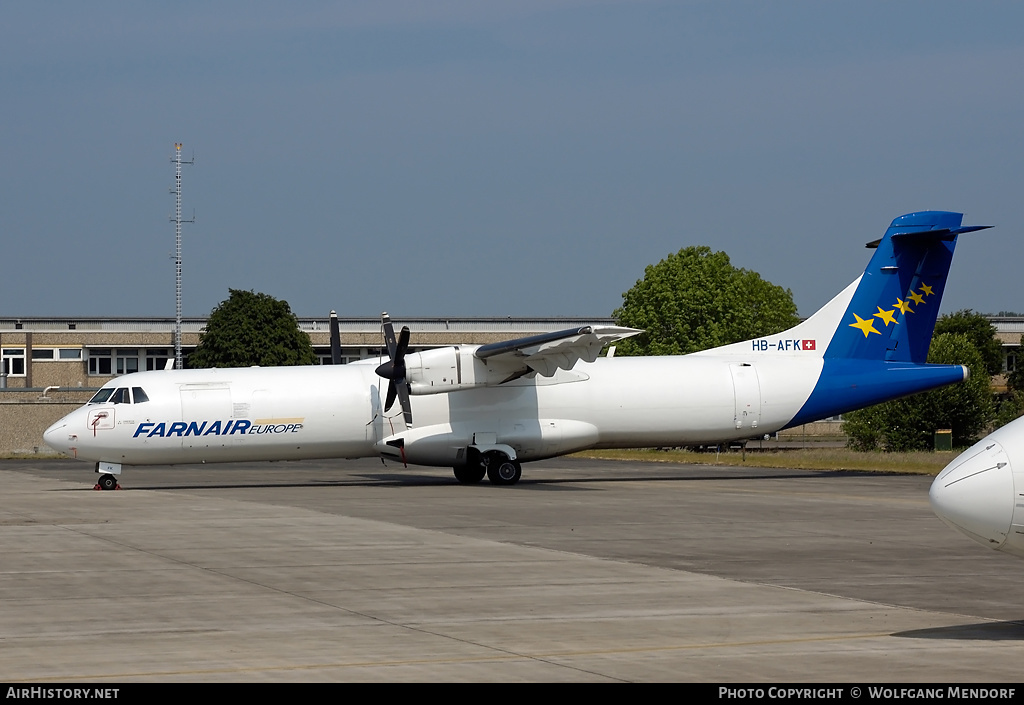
176	160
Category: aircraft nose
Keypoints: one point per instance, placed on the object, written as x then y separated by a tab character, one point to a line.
56	436
974	494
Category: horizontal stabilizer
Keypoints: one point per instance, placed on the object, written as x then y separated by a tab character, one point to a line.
846	385
941	234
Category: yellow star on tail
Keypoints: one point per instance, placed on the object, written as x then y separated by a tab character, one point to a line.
926	290
905	307
918	299
886	316
866	325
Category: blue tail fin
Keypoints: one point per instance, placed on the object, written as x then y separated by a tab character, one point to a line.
893	311
879	347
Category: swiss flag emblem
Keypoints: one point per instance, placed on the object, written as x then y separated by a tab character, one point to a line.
807	345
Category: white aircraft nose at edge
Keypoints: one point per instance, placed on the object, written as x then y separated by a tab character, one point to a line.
981	493
483	410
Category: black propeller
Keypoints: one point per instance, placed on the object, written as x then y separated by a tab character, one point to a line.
335	340
394	369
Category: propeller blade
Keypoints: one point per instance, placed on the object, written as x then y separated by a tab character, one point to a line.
391	396
335	340
398	359
403	344
403	396
389	334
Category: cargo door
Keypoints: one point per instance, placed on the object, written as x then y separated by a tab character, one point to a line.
747	395
205	411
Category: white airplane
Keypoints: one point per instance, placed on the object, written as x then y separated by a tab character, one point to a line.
981	493
486	409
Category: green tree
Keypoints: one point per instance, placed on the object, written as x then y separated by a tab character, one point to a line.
1010	409
1015	377
909	423
252	329
980	331
1012	406
695	299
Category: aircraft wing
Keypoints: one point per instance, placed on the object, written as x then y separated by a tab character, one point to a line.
548	352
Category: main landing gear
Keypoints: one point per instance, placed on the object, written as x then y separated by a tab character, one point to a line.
469	474
499	468
107	482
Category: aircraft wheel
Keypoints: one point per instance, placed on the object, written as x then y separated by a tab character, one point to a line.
504	472
107	482
469	474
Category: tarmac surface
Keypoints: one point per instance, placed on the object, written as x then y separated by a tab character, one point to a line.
587	570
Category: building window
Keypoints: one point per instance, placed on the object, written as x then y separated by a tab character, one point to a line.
345	359
127	361
350	354
157	359
69	353
100	361
42	354
124	361
13	362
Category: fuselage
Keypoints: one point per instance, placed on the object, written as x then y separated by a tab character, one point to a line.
192	416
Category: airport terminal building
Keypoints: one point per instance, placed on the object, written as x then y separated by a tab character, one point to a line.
40	353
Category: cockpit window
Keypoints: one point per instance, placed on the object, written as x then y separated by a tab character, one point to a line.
119	395
102	395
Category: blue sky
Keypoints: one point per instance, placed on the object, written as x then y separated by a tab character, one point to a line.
523	158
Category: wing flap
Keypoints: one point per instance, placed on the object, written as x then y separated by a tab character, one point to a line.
547	353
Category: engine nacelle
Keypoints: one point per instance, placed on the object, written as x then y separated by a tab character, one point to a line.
449	370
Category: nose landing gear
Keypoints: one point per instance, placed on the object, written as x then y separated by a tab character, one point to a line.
107	482
108	473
